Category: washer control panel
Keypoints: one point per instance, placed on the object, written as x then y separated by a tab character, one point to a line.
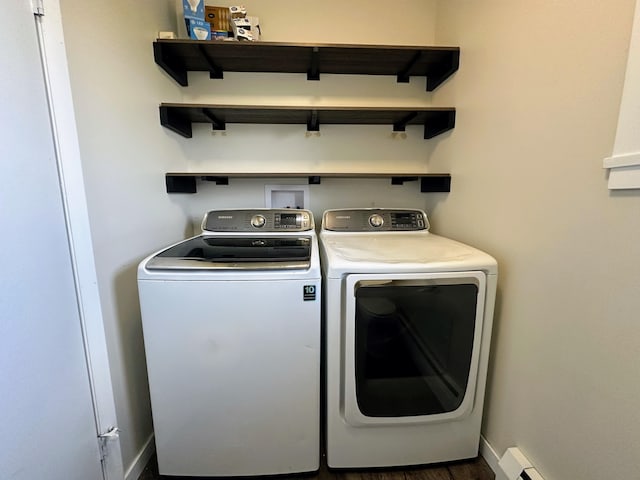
374	219
254	220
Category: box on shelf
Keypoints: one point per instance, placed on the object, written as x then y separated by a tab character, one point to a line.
218	18
193	9
205	22
247	28
238	24
220	35
192	23
238	11
243	34
199	30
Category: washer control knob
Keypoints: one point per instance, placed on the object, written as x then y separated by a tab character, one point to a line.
258	221
376	220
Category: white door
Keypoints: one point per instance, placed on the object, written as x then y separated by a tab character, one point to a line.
47	427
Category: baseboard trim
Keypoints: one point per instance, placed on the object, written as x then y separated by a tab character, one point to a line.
489	454
141	460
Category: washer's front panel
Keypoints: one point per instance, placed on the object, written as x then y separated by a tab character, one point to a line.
234	372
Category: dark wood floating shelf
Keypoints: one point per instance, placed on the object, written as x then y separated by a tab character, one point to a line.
177	57
183	182
179	117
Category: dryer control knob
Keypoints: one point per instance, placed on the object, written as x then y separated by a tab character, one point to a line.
376	220
258	221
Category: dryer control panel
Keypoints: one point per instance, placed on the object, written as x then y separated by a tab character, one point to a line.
258	220
374	219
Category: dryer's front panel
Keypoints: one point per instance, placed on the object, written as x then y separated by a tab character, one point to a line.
411	346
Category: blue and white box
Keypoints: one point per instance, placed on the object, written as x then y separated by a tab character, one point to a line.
193	9
197	27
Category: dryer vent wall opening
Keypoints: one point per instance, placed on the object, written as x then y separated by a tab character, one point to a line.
515	466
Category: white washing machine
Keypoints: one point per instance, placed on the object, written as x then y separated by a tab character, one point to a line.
408	324
231	322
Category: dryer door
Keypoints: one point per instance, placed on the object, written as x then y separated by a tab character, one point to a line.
412	345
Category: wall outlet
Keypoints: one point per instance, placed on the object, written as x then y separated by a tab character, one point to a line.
286	196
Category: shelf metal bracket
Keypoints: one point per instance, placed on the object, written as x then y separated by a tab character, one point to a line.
314	67
403	75
401	125
216	123
175	122
218	180
401	180
214	70
434	125
313	125
170	65
180	184
435	79
439	182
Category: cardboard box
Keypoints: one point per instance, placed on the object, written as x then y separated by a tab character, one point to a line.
193	9
238	11
219	34
238	24
193	14
199	29
218	18
242	34
247	28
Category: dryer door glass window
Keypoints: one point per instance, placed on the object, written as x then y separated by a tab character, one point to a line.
413	346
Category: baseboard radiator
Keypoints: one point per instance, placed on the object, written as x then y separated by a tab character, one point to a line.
515	466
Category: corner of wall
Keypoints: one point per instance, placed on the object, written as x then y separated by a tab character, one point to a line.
141	459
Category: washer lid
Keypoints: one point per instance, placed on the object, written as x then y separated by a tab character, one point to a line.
238	252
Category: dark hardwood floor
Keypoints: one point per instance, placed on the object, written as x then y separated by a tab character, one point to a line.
475	469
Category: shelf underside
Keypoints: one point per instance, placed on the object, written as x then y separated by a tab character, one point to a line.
177	57
186	182
179	117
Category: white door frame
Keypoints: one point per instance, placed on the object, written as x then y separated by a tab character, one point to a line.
67	148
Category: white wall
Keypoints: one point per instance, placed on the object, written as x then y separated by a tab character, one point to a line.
117	88
537	95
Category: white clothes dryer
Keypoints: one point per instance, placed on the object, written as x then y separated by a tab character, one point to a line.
231	322
408	317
